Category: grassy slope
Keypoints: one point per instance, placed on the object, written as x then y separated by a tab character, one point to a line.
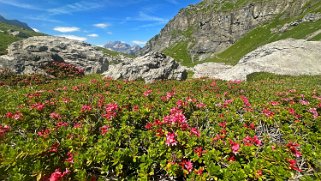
6	39
257	37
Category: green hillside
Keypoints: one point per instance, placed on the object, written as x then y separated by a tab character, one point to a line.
6	38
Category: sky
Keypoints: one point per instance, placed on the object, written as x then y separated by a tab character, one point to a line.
96	21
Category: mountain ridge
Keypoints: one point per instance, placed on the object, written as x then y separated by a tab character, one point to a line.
204	31
122	47
15	23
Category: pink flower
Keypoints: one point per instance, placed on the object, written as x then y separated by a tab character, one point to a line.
246	101
181	103
4	129
294	148
61	124
195	131
148	125
77	125
274	103
170	139
9	115
268	113
231	158
44	133
294	166
17	116
86	108
54	147
187	164
198	151
147	93
177	117
70	157
112	107
248	141
54	115
38	106
222	124
256	141
104	129
314	112
234	146
58	175
111	111
201	105
304	102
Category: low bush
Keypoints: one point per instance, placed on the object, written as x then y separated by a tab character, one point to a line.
100	129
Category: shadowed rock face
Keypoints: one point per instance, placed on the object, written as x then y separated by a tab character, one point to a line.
150	67
208	29
284	57
27	56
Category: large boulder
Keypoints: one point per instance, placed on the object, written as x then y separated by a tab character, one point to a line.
284	57
150	67
28	55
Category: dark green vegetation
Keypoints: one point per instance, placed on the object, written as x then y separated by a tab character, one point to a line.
259	36
6	38
98	129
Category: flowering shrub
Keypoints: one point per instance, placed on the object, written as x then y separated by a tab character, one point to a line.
62	70
54	70
99	129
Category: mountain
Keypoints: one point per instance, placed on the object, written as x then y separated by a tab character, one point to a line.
10	33
119	46
225	31
15	23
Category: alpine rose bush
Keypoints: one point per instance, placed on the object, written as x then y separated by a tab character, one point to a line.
92	128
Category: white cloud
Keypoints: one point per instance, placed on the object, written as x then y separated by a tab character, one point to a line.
109	32
75	7
93	35
66	29
74	37
35	29
102	25
138	42
20	5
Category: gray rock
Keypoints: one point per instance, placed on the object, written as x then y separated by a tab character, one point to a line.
284	57
26	56
150	67
209	69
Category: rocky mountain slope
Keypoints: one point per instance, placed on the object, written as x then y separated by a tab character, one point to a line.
15	23
224	31
121	47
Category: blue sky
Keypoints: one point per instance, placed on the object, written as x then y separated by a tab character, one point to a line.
96	21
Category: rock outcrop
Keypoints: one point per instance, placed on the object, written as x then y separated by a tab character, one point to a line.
27	56
212	26
150	67
284	57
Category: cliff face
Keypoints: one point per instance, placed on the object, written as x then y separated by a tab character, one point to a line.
211	27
